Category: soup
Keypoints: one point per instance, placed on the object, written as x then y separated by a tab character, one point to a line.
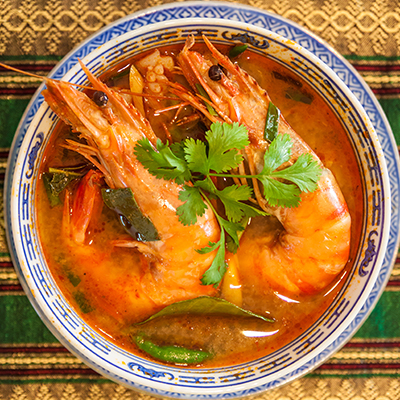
158	297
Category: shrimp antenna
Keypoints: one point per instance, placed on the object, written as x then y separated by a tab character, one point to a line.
42	78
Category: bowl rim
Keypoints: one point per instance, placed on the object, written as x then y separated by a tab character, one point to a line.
235	24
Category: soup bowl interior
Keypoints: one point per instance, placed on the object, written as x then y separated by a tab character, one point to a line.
289	362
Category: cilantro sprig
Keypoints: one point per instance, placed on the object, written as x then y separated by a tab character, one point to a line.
193	164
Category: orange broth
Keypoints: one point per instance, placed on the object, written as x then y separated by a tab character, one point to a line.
104	310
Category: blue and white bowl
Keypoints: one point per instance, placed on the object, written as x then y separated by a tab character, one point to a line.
379	237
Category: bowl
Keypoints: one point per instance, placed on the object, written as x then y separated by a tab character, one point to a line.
345	314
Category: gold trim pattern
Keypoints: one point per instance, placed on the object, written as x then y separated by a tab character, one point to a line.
53	27
3	242
17	360
366	28
302	389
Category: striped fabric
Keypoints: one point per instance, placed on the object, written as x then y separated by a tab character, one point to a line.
33	365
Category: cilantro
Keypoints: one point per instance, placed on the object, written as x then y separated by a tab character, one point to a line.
304	173
215	273
193	205
223	141
193	163
232	198
277	154
218	267
222	155
163	162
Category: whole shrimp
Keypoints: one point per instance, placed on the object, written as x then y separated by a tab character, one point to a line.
171	269
312	245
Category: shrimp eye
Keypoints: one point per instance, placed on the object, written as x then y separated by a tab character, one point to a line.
215	72
100	98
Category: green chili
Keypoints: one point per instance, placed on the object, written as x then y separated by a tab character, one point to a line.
171	354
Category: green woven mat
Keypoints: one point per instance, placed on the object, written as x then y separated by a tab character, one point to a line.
35	34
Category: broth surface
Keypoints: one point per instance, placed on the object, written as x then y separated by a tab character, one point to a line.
86	274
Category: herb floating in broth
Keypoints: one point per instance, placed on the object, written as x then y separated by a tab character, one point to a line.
206	98
205	305
237	50
297	95
200	161
82	302
272	122
123	202
56	180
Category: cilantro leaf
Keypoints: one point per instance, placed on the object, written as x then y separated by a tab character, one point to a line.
234	233
305	173
196	156
193	205
178	148
162	162
278	193
208	186
216	271
278	153
232	229
224	140
232	197
211	247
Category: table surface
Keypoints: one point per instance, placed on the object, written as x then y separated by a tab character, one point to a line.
35	35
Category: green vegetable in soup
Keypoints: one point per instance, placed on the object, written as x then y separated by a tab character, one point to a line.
123	202
72	277
205	305
204	94
171	354
56	180
82	301
272	122
297	95
237	50
186	325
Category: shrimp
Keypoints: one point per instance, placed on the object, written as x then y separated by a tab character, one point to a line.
85	206
171	268
311	245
